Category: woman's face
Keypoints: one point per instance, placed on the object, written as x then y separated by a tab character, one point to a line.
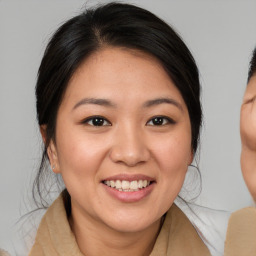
123	140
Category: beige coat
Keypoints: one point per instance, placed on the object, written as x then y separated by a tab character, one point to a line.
4	253
241	233
177	237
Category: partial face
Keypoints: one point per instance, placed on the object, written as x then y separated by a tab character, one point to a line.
123	140
248	136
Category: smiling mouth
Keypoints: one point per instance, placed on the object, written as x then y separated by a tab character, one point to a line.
127	186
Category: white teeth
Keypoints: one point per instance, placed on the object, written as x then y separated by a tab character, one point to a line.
118	184
127	186
112	183
134	184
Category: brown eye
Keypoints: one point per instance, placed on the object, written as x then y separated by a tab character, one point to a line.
160	120
97	121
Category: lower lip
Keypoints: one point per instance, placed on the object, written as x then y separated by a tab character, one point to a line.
129	197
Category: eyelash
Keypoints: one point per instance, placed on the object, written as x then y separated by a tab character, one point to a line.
162	121
102	120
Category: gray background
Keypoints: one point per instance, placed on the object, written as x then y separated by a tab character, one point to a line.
221	35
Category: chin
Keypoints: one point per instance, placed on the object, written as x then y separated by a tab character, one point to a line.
131	228
130	225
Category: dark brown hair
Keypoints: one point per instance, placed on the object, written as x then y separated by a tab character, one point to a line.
252	68
115	25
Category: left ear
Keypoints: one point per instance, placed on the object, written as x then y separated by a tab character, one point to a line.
53	157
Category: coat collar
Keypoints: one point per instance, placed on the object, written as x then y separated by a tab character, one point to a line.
55	237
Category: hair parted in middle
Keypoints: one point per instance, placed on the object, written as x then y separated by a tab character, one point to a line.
112	25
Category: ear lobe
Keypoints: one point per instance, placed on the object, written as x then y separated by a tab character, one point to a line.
51	149
53	157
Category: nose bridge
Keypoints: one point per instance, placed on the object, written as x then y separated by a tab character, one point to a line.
129	145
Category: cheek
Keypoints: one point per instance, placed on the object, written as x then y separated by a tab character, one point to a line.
173	156
173	152
79	155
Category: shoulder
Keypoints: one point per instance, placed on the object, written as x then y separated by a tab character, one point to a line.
4	253
241	234
54	235
249	212
178	236
210	224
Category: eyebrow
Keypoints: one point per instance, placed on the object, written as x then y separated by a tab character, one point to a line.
107	103
100	102
159	101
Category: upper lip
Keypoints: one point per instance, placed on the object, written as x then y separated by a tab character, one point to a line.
129	177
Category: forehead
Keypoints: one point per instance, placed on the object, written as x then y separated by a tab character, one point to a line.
118	73
119	62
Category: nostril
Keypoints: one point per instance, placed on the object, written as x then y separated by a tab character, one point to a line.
129	152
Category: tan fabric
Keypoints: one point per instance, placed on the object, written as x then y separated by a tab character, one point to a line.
54	236
4	253
241	234
177	236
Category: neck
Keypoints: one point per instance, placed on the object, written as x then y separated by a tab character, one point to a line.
93	238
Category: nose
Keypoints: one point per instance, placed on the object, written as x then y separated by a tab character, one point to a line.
129	147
